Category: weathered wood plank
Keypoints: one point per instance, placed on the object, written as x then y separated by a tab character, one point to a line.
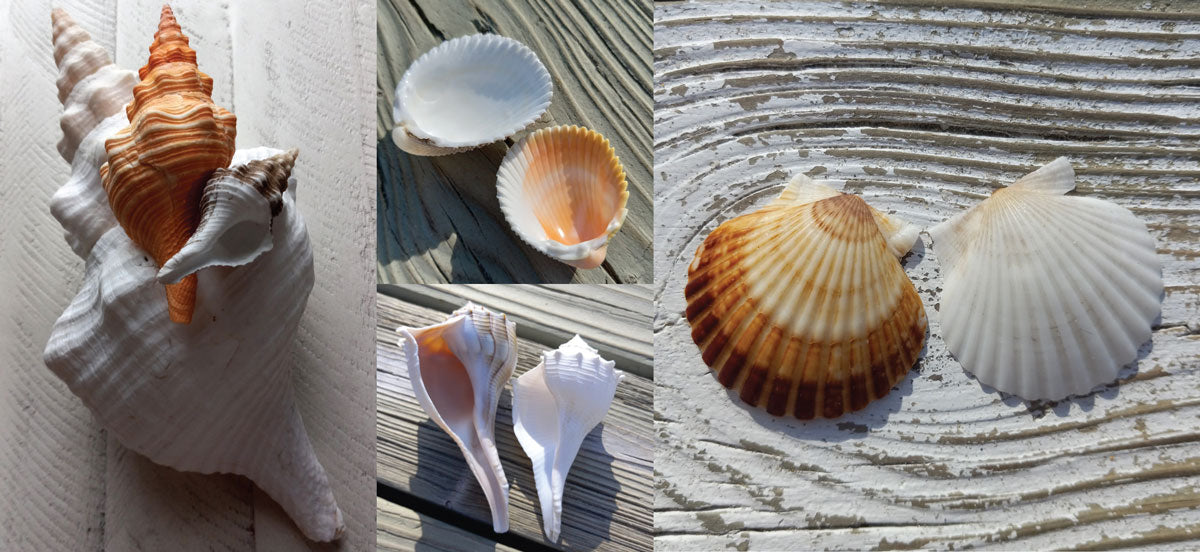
52	462
64	485
925	111
402	529
439	219
616	319
606	504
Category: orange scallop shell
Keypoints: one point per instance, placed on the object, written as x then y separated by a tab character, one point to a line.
157	166
802	307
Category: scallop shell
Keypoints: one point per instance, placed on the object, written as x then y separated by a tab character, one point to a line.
802	307
158	165
555	406
1046	295
458	369
215	395
563	191
467	92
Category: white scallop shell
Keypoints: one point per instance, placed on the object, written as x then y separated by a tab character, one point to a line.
211	396
1046	295
458	369
555	406
563	192
467	92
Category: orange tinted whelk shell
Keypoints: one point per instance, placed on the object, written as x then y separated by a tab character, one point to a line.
802	306
157	166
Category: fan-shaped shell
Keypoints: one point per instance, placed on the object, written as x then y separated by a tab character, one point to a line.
563	191
458	369
158	165
802	307
1046	295
467	92
555	406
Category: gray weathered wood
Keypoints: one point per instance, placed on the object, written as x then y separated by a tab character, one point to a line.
615	319
402	529
606	504
439	218
924	112
64	484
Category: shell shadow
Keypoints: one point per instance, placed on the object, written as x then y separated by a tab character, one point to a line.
1061	408
443	211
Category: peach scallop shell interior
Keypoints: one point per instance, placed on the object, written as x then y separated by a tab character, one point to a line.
157	166
563	191
802	307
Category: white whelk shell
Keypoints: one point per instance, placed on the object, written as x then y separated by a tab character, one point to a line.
555	406
213	396
563	192
1046	295
467	92
458	369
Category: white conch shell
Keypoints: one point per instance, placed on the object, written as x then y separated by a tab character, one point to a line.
563	192
214	396
555	406
467	92
458	369
1046	295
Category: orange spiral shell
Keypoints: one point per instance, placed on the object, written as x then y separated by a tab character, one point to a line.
157	166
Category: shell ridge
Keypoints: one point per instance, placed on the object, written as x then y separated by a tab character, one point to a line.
1056	177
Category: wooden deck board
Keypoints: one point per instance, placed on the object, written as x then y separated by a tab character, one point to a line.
64	483
924	112
609	488
439	219
402	529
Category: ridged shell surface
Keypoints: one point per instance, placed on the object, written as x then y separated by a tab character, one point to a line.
458	369
1046	295
563	191
802	306
555	406
158	165
215	395
467	92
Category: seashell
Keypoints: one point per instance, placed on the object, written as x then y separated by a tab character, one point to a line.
802	307
213	396
93	92
1046	295
563	191
555	406
467	92
158	165
458	369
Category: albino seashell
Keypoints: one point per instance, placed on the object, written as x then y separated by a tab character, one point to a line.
802	306
555	406
158	164
214	396
1046	295
458	369
467	92
563	191
93	92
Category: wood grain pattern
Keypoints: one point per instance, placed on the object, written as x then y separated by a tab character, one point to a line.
606	503
439	219
300	78
402	529
924	112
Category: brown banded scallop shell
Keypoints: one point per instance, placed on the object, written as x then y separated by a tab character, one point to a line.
802	306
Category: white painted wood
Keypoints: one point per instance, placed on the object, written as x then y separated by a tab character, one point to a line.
925	111
297	74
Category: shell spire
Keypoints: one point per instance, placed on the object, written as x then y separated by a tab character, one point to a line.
158	165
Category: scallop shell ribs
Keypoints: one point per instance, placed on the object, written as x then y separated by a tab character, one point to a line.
802	307
157	166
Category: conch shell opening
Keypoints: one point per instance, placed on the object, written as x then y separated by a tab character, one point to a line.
157	166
